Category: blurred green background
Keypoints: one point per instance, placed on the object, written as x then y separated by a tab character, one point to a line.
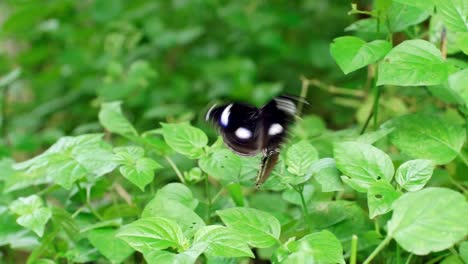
166	60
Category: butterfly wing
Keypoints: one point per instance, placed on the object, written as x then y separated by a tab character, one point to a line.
239	126
276	117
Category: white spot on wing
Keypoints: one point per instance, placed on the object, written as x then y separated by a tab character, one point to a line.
225	115
243	133
275	129
207	117
286	105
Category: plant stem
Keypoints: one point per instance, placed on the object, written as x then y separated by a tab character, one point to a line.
455	253
305	211
408	260
377	250
398	257
208	201
354	243
88	204
375	105
176	170
304	90
377	226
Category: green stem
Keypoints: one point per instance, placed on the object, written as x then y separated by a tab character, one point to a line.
305	211
354	243
176	170
408	260
304	91
208	201
375	105
398	257
458	185
438	258
455	253
377	250
88	203
464	158
377	226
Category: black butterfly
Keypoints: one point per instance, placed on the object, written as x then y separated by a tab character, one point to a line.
248	130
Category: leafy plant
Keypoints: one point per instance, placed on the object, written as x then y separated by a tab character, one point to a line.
106	157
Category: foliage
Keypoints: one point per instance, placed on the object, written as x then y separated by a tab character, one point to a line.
105	155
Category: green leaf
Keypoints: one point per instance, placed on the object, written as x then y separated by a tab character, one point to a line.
464	251
72	158
178	192
402	15
462	41
352	53
136	168
380	198
185	139
421	4
414	174
112	118
223	165
300	157
454	13
427	137
165	257
413	63
327	175
320	247
105	242
257	228
152	233
429	220
166	204
32	214
62	218
223	242
362	164
458	84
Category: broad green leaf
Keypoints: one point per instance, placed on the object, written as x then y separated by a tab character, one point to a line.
136	168
462	41
458	83
62	218
222	242
178	192
257	228
152	233
362	164
185	139
413	63
454	14
223	165
170	207
309	126
300	157
112	118
292	196
421	4
107	244
320	247
427	137
166	257
380	198
72	158
32	213
352	53
414	174
327	175
402	15
374	136
429	220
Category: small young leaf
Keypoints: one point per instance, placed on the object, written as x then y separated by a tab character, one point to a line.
352	53
363	164
453	13
300	157
402	15
427	137
166	257
152	233
112	118
32	214
185	139
223	242
223	165
380	198
414	174
105	242
413	63
320	247
257	228
178	192
134	167
429	220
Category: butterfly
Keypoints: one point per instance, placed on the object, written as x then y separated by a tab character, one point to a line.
248	130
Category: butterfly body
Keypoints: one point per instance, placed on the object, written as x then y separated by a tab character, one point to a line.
248	130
